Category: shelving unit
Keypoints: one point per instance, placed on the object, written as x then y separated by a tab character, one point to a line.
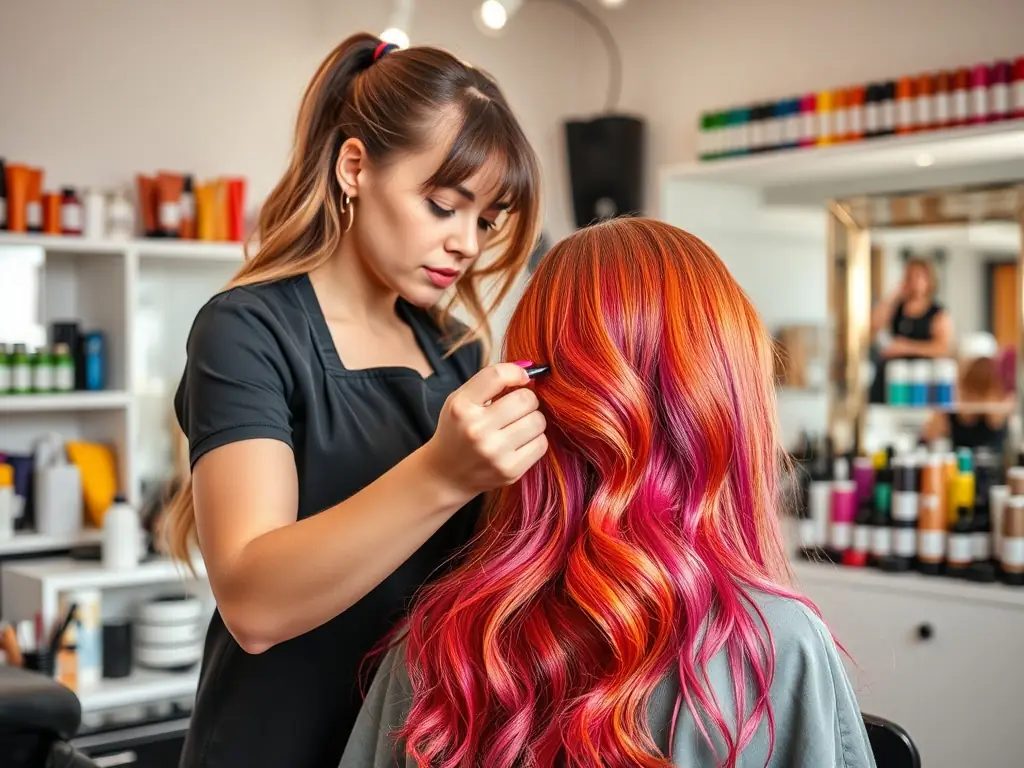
31	586
143	295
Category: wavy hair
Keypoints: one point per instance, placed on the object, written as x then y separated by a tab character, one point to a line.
624	555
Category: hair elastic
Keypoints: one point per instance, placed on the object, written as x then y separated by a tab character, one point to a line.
383	49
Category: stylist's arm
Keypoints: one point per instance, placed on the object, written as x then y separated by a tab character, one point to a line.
276	578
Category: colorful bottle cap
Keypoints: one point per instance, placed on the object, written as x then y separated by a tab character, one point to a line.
1002	72
905	88
979	76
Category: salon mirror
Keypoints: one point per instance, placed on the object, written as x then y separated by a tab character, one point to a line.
926	320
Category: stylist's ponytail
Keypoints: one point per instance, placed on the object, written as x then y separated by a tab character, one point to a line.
390	103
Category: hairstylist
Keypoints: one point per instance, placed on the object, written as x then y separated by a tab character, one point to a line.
340	428
910	323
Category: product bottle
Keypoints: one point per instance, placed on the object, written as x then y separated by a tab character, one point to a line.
71	218
121	546
872	111
187	204
94	214
7	502
999	90
998	495
979	95
981	536
924	98
63	368
1018	88
5	369
42	370
905	103
840	116
961	97
881	532
961	543
888	108
905	491
941	108
931	535
855	105
21	370
857	555
825	126
120	216
844	515
819	497
1012	556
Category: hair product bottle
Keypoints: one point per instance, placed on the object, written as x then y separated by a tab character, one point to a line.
1012	556
961	543
931	535
881	532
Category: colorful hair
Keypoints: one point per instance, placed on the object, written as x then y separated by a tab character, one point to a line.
625	552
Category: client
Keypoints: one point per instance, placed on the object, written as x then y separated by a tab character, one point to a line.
628	602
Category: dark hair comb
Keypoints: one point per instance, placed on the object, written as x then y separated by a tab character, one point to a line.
534	371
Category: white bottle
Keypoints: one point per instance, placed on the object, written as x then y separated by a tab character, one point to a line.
121	536
95	205
120	216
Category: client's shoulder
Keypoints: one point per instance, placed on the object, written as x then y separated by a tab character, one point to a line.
794	625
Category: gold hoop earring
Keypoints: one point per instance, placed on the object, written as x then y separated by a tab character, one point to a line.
348	207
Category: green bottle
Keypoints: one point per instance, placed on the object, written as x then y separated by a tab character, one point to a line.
5	369
63	368
42	370
21	370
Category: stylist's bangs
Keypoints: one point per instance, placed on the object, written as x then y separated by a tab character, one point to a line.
489	135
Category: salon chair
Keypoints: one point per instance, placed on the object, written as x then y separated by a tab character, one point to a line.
890	743
37	717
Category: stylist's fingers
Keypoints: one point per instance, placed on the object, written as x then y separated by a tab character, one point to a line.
510	408
522	431
490	382
530	454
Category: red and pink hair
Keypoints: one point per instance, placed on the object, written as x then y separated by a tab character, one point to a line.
624	555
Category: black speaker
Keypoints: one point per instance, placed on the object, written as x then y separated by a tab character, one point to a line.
606	163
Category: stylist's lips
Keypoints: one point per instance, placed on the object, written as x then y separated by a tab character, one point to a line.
442	278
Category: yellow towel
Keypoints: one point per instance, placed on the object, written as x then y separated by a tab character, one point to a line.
98	467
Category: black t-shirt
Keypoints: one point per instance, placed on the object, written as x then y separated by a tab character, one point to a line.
262	364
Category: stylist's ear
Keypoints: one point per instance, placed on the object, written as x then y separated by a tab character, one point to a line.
350	166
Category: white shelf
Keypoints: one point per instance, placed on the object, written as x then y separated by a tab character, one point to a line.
64	401
917	583
140	687
146	248
984	154
28	543
57	574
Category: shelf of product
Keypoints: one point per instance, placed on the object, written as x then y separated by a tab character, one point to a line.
64	402
956	515
30	542
166	205
988	92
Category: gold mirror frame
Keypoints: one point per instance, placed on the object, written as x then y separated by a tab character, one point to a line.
854	282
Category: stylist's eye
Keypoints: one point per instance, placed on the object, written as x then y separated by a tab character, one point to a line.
437	210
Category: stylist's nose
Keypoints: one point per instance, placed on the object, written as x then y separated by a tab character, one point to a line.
465	243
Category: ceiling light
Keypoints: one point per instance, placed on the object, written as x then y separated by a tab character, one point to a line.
396	36
399	24
613	3
924	160
492	15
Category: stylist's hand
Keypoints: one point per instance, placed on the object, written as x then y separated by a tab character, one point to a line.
490	431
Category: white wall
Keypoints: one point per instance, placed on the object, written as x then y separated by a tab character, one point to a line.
96	92
686	57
